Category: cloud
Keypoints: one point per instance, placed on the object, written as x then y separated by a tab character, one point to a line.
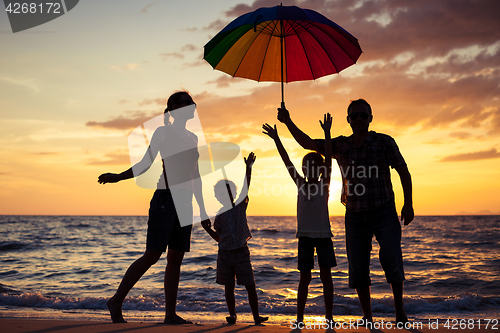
461	135
225	81
189	48
145	9
45	153
216	26
172	55
131	121
387	28
25	83
480	155
156	101
112	158
129	67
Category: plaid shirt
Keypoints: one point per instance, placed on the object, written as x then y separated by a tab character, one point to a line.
232	227
366	178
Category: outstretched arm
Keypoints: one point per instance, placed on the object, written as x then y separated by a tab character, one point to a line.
249	161
407	213
136	170
139	168
302	138
273	134
327	125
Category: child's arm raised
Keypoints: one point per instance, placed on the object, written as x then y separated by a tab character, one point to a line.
273	134
327	125
249	161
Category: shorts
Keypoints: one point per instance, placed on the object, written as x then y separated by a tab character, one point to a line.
163	225
360	227
237	263
324	250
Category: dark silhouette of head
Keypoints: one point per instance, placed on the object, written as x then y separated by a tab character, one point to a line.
359	102
313	166
221	191
176	101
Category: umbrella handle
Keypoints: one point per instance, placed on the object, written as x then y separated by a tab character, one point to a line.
283	105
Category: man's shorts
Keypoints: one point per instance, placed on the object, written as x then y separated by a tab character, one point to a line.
324	250
237	263
163	224
360	227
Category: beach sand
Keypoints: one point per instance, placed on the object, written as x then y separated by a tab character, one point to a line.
79	326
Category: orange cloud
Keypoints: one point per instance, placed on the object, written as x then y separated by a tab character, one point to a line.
480	155
131	121
112	158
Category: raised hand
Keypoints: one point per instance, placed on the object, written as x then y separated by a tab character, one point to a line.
250	160
283	114
108	178
270	131
327	122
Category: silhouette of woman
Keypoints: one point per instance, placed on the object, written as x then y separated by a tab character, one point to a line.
167	226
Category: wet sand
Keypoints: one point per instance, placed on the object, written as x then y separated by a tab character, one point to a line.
80	326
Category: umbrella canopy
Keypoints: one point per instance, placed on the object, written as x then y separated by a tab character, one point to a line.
282	43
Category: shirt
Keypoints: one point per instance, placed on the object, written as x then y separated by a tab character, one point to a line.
312	210
178	148
366	177
232	227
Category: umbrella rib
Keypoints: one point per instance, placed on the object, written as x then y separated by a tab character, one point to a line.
307	57
340	46
267	48
328	55
243	57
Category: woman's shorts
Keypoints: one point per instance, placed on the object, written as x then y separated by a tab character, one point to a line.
324	250
163	224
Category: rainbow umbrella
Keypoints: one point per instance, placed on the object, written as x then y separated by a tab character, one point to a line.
282	43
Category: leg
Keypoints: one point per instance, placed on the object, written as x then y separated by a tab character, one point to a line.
172	276
326	260
397	290
254	304
365	301
132	275
326	278
387	229
231	303
358	236
305	279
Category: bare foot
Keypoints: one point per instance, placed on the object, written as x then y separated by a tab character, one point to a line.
401	316
231	319
260	320
176	320
115	310
364	321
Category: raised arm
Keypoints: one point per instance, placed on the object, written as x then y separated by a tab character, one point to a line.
407	213
302	138
327	125
249	161
273	134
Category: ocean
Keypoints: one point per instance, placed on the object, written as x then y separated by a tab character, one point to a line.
68	266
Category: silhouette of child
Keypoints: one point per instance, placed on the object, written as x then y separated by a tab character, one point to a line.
313	223
232	234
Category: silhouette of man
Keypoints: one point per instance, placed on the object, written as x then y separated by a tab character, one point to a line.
364	159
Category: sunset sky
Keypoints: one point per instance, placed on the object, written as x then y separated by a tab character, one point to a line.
73	89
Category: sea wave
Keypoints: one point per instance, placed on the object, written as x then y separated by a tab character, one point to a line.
214	302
